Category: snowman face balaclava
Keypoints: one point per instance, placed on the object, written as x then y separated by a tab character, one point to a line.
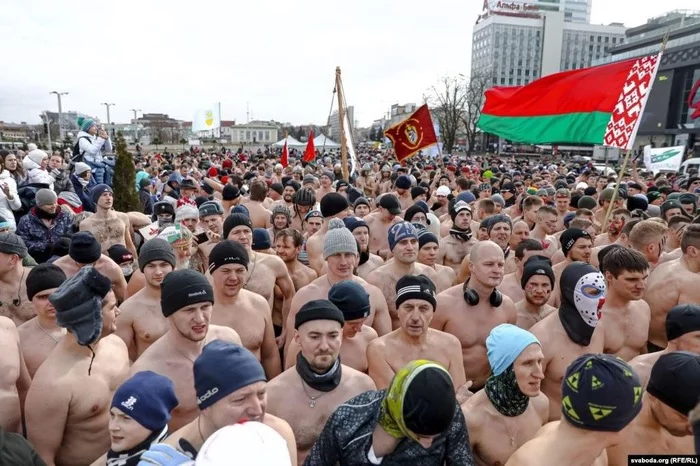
582	297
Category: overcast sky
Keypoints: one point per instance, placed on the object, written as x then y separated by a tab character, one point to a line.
279	56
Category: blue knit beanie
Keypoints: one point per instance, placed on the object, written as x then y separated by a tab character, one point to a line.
223	368
148	398
351	298
261	239
98	191
401	231
86	123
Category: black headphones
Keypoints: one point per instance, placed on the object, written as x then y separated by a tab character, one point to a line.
472	297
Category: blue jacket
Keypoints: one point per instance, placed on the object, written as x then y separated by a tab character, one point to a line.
38	237
84	193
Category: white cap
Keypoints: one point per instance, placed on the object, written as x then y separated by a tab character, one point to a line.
581	185
247	444
442	191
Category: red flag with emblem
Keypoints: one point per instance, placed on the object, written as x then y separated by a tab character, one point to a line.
310	152
285	154
413	134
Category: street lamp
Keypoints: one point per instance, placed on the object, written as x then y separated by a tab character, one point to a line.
60	112
136	125
109	122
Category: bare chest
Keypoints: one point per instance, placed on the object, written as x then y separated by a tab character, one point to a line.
258	216
247	322
397	356
14	303
110	230
625	336
149	326
378	236
472	324
503	436
353	353
261	280
301	278
456	251
37	345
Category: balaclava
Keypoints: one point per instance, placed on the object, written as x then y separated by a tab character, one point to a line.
582	296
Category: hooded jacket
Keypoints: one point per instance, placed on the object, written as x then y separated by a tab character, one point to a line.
92	147
36	174
6	205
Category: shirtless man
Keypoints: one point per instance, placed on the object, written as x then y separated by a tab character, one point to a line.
569	332
662	427
673	283
520	233
545	227
229	387
531	205
594	382
333	205
471	310
537	282
244	311
649	238
67	408
380	221
456	246
141	322
414	339
85	251
403	244
511	285
511	408
626	315
368	261
259	215
340	252
15	379
107	225
40	335
498	228
14	303
326	181
211	217
186	301
429	248
562	199
307	394
576	245
265	271
617	222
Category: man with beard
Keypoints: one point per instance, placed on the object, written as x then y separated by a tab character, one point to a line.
626	314
569	333
380	221
576	244
498	228
662	427
244	311
682	334
141	322
186	301
429	248
368	261
281	218
67	406
602	396
40	335
107	225
537	282
333	205
469	311
456	246
211	217
229	386
13	276
290	189
617	222
340	253
403	244
43	225
545	227
307	394
511	285
414	339
511	408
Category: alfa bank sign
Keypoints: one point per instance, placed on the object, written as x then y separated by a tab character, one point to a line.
514	7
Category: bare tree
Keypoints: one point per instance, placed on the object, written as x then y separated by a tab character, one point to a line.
447	101
475	87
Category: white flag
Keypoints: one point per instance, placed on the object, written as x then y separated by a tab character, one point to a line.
207	119
350	146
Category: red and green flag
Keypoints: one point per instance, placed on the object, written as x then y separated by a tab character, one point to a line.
597	105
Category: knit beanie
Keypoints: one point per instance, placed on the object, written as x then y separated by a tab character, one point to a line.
415	287
318	309
332	204
466	196
37	156
586	202
403	182
569	237
399	232
425	237
281	209
156	249
240	209
186	212
429	403
80	168
675	380
338	240
261	240
496	219
244	444
45	197
504	344
10	243
230	192
98	191
86	123
119	254
84	248
223	368
148	398
227	252
182	288
44	277
351	298
537	267
351	223
236	220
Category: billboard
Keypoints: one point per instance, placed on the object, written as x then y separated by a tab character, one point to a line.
693	102
656	112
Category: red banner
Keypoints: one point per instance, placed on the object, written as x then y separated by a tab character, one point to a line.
413	134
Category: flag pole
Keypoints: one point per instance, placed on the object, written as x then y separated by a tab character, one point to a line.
341	124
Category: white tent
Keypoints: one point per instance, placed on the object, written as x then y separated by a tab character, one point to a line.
321	139
291	143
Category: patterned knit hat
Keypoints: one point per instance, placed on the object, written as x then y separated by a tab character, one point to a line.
338	240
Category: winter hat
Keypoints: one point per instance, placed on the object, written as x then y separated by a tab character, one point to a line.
415	287
240	209
236	220
71	200
186	212
498	199
210	208
360	201
98	191
537	267
351	298
403	182
496	219
425	237
45	197
681	319
37	156
332	204
569	237
84	248
44	277
504	344
119	254
281	209
399	232
261	240
418	191
244	444
182	288
675	380
338	240
670	204
351	223
148	398
458	207
586	202
412	211
223	368
466	196
78	304
318	309
156	249
443	191
638	201
227	252
85	123
230	192
10	243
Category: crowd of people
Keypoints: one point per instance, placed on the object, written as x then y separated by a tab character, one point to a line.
443	311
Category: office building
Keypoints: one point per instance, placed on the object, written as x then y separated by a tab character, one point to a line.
575	11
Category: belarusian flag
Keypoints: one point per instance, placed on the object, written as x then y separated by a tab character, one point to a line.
598	105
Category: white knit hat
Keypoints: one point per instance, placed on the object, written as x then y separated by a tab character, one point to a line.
247	444
37	155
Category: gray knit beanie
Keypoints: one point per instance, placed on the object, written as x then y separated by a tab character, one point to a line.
45	197
156	249
338	239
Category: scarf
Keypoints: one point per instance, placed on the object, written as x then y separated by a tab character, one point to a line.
462	235
391	417
132	456
321	382
505	395
42	214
